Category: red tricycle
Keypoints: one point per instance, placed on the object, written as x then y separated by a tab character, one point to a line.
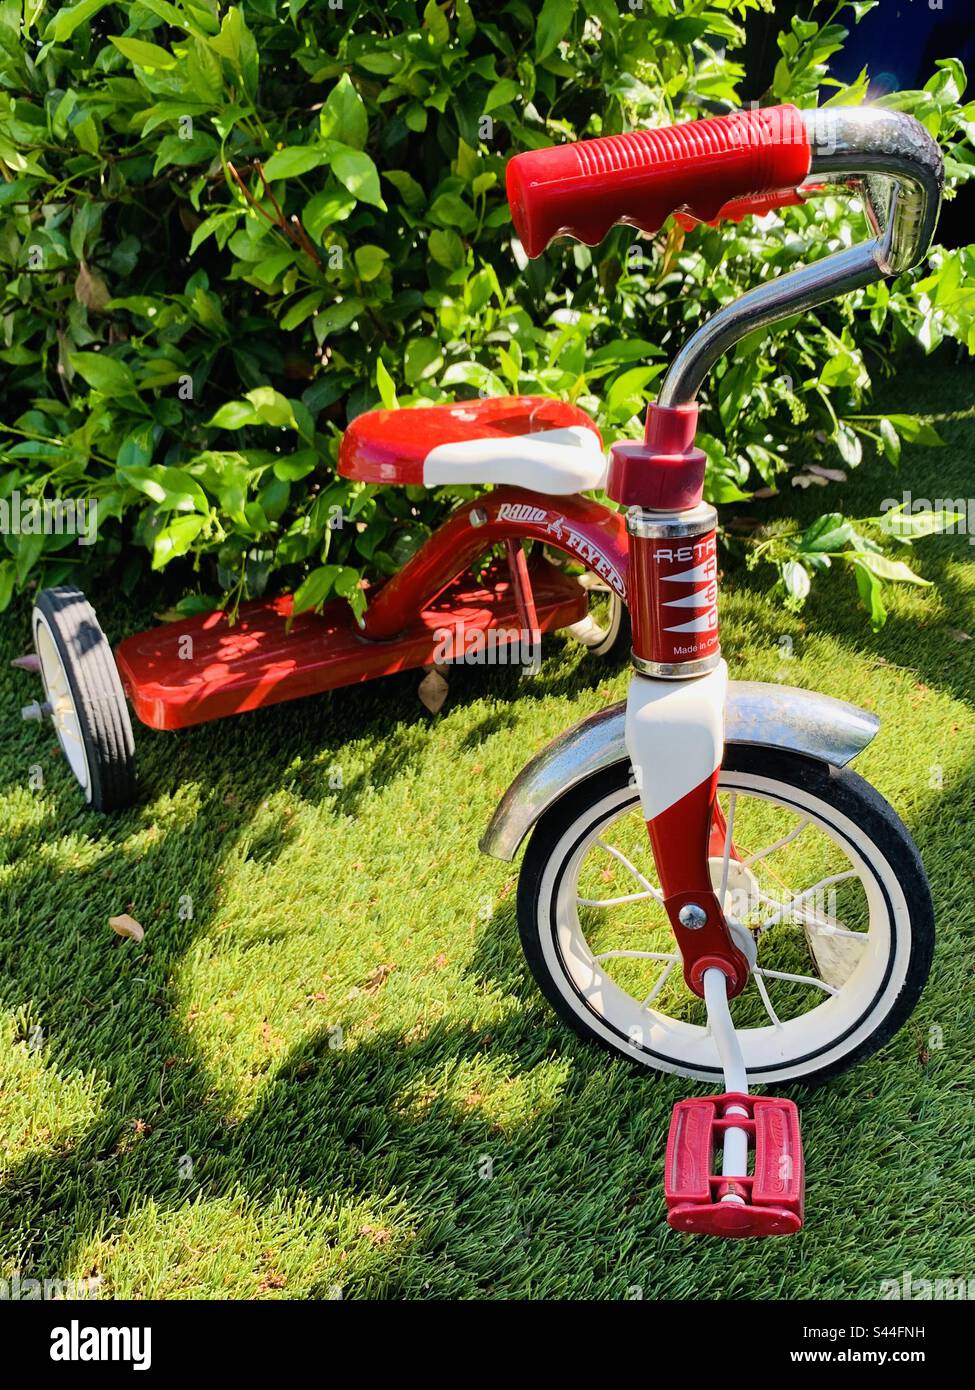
708	889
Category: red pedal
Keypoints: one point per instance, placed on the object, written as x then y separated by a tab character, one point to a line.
773	1194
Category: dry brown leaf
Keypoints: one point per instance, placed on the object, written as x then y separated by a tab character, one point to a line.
124	925
432	690
378	1235
90	289
377	978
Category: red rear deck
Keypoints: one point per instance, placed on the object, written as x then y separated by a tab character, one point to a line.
198	669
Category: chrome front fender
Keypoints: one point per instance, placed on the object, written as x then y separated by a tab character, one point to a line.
772	716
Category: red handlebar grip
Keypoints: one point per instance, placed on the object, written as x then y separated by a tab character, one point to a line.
583	189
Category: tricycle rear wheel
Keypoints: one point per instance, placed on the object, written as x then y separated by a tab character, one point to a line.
83	688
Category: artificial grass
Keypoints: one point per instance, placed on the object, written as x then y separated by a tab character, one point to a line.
326	1070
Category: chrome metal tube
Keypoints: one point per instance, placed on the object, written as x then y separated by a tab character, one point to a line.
890	160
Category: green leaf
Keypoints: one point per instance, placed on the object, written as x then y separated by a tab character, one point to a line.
214	223
315	589
384	382
628	388
172	489
145	55
449	210
325	209
338	316
891	441
910	526
302	309
292	163
176	539
435	21
106	374
293	467
406	185
871	593
466	23
500	94
796	579
422	359
234	415
553	24
8	575
848	443
447	249
343	116
893	570
65	22
827	533
358	173
916	431
369	262
272	408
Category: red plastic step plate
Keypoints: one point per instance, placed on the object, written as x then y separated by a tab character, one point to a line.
772	1196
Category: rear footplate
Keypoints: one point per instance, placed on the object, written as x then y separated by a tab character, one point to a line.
206	667
769	1202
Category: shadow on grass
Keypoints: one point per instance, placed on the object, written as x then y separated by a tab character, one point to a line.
357	1124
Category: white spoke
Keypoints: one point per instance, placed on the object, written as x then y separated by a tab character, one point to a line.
618	854
633	955
732	798
796	979
770	849
827	929
763	991
664	977
614	902
813	922
807	893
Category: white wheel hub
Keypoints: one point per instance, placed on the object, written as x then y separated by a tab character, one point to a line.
64	713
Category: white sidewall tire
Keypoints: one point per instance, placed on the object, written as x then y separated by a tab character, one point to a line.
869	1009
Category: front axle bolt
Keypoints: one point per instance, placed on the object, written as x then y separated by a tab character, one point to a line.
692	916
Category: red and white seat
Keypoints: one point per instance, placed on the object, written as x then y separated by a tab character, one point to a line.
544	445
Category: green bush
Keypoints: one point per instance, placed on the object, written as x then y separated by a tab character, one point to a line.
229	229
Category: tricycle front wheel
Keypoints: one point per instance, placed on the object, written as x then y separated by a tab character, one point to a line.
819	871
85	695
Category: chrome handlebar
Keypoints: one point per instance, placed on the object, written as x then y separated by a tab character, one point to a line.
889	160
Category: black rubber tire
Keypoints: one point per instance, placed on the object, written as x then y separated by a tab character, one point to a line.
96	689
840	788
